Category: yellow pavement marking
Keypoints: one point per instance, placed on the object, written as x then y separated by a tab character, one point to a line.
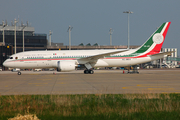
161	89
61	79
146	85
62	83
124	87
127	87
149	87
44	79
6	86
37	83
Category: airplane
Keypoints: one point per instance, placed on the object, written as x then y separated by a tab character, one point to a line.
68	60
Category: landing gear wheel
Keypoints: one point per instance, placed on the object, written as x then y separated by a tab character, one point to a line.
19	73
91	71
86	72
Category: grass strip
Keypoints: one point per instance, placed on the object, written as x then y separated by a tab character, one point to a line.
92	106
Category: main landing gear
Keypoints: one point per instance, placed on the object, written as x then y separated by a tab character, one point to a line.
88	71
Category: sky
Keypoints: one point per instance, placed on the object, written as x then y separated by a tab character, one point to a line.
92	19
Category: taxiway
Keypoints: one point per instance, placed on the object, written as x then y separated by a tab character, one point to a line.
101	82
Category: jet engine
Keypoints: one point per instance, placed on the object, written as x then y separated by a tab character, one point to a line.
64	66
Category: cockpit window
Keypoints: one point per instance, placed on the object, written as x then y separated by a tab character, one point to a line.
11	58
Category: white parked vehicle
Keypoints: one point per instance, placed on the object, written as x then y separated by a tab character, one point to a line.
15	70
37	70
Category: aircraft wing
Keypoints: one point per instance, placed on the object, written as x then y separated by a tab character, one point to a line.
96	57
164	53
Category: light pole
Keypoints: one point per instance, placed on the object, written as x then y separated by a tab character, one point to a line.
50	33
23	36
128	12
3	32
15	21
110	32
69	29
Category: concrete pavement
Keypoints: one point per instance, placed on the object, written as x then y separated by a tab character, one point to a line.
101	82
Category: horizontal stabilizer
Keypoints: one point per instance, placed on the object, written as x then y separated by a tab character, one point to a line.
164	53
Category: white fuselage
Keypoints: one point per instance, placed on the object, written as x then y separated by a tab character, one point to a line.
48	59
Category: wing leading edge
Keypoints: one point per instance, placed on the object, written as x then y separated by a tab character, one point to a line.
94	58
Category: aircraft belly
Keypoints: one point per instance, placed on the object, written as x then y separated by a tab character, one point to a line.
101	63
33	64
126	62
27	64
117	62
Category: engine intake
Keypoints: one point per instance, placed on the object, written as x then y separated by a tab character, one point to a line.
65	66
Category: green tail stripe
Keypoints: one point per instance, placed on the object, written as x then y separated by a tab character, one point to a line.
149	42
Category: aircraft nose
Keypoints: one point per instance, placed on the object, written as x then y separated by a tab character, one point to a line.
5	63
8	64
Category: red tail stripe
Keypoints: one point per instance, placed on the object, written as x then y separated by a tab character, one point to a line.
165	32
157	48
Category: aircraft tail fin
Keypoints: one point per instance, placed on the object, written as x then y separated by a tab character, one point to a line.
154	43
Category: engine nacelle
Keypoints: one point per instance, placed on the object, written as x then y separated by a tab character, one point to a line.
64	66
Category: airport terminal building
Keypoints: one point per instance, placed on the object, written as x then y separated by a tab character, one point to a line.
32	40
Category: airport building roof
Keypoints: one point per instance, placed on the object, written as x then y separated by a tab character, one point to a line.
18	28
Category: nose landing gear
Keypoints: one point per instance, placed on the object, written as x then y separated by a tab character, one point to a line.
19	73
